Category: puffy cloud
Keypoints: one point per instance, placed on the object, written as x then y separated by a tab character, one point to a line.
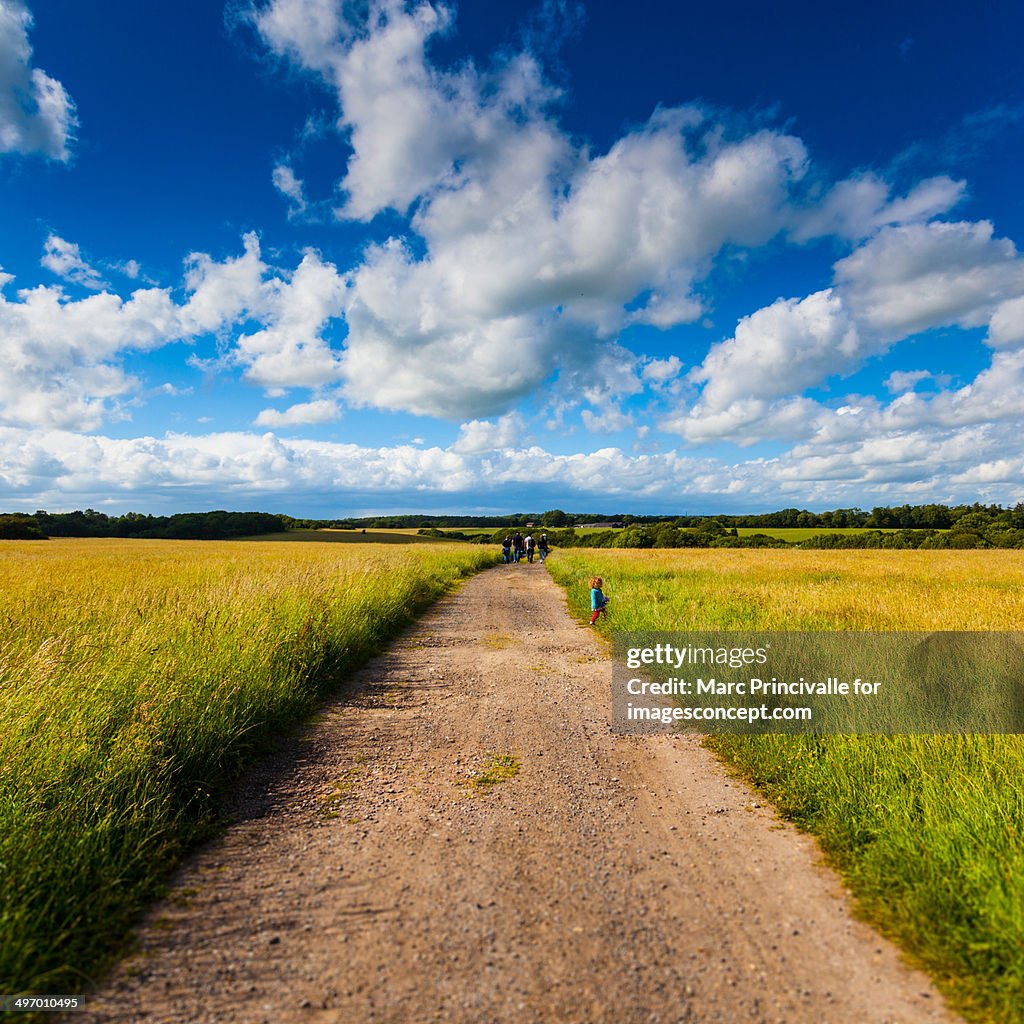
906	380
899	381
60	357
60	469
62	365
607	420
901	461
407	123
517	284
322	410
776	352
1006	328
220	293
291	188
170	389
244	463
919	445
410	348
780	350
903	281
912	278
646	218
64	259
996	394
1006	471
36	113
747	421
290	350
293	310
306	31
533	252
661	371
63	466
527	253
483	436
530	248
858	206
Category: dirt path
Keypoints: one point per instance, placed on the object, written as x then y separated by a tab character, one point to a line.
614	879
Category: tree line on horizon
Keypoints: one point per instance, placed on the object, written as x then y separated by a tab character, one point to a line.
992	527
908	517
905	526
1004	529
217	525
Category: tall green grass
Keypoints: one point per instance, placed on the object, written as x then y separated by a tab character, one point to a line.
928	831
137	678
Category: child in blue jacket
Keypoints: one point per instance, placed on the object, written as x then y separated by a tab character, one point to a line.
598	602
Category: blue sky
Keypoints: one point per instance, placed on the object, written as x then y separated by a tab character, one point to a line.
336	258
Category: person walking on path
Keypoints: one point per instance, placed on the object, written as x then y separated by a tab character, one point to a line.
542	546
506	550
598	602
528	545
517	547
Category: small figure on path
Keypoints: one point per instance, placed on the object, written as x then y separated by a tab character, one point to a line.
528	545
542	546
506	550
598	602
517	547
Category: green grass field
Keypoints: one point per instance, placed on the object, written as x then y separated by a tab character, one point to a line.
795	534
138	678
928	831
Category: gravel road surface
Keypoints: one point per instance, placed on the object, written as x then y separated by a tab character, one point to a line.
461	838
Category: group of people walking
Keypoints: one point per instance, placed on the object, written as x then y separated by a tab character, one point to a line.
516	547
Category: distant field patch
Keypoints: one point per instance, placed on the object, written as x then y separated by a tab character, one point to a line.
795	534
348	537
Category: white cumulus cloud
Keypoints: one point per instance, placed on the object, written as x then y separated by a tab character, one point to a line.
40	468
292	308
527	253
912	278
529	249
36	113
1006	328
903	281
906	380
861	205
61	358
291	187
322	410
484	436
64	259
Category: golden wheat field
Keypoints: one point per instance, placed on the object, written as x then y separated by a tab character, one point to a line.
785	589
137	678
927	830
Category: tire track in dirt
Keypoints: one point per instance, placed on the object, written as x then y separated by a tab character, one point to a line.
621	879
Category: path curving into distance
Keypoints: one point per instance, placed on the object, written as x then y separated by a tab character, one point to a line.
614	879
